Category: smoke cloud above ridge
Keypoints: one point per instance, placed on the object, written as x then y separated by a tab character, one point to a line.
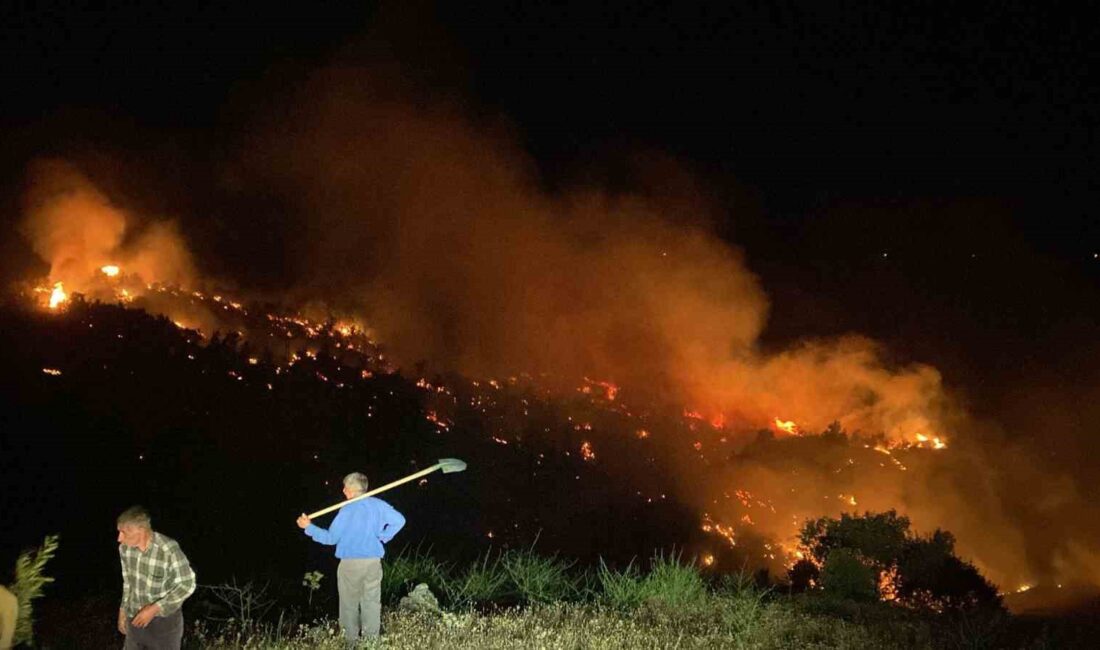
74	227
438	227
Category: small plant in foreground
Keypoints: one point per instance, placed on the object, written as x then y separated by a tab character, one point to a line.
244	603
29	581
312	581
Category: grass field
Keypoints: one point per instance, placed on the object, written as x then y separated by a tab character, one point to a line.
519	599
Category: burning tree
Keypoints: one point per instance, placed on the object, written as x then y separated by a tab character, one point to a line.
877	556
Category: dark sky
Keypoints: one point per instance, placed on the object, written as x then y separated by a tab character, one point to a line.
922	172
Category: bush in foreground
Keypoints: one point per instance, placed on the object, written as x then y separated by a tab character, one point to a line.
29	581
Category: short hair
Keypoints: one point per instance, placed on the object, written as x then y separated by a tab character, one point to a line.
135	516
356	481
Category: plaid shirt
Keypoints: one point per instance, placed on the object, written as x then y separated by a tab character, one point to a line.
161	574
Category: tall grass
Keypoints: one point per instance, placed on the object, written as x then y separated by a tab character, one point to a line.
620	589
668	606
744	607
674	582
485	581
407	569
540	579
671	582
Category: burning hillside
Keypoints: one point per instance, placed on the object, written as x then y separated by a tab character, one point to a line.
753	489
611	326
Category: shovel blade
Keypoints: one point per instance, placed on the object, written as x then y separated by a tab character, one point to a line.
450	465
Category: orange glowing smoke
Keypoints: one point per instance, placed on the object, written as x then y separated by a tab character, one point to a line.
630	286
87	239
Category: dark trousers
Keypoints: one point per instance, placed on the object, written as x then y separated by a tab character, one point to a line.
162	633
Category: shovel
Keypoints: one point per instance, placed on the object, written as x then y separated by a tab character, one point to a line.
448	465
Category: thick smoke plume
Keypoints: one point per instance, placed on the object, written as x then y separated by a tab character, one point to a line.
439	228
77	230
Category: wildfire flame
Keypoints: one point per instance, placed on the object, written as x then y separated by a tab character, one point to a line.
787	426
58	295
110	270
709	525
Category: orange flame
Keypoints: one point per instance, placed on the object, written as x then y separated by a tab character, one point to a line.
58	295
787	426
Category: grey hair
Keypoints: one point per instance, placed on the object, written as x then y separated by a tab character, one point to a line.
135	516
357	481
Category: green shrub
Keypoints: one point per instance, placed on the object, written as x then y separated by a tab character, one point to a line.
877	537
674	582
539	579
845	575
926	572
29	581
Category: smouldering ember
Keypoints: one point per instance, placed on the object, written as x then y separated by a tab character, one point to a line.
724	531
610	389
586	451
433	417
888	584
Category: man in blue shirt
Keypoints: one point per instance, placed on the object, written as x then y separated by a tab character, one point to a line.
358	532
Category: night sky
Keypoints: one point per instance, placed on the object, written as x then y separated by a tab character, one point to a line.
924	174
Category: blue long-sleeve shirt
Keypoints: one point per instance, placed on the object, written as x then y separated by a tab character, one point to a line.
360	529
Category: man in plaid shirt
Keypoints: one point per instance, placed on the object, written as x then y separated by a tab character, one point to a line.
156	579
